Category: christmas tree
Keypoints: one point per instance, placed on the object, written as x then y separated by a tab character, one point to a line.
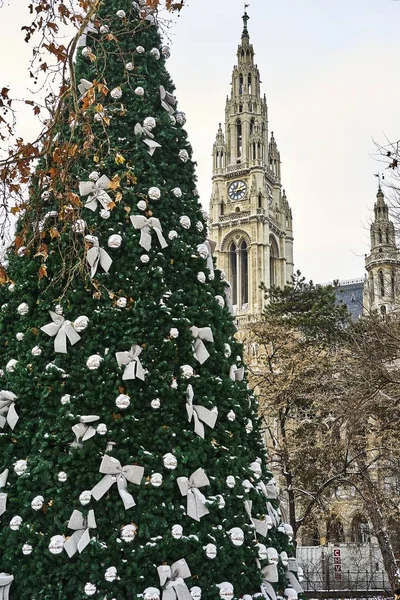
131	459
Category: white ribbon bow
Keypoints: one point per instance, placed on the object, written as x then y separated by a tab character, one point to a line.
236	373
290	571
97	256
115	473
269	490
97	192
195	499
200	352
148	138
83	430
146	226
172	580
199	413
88	29
270	573
81	536
228	297
84	87
8	414
3	495
5	584
130	360
211	245
261	527
168	100
61	329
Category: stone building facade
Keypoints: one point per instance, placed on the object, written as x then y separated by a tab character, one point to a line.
250	217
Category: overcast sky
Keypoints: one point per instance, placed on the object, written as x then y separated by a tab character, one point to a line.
330	73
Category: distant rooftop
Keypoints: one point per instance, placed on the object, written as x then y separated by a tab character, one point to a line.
350	293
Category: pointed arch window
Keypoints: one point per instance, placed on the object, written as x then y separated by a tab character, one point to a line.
240	83
239	274
252	126
259	200
393	281
222	209
233	272
244	276
239	138
249	82
387	236
273	262
381	284
380	236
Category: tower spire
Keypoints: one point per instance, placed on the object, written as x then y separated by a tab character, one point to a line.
245	19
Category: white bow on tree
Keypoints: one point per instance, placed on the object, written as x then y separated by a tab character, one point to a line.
130	360
261	527
148	138
97	256
115	473
83	430
146	226
172	580
189	487
3	495
198	413
61	330
201	335
236	373
8	414
81	536
96	189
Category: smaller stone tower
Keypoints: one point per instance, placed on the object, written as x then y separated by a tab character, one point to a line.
383	263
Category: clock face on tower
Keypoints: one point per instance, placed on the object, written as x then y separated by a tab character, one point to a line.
237	190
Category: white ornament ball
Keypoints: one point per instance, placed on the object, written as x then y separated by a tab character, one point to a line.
172	235
58	309
156	479
201	277
202	250
237	536
20	337
140	49
174	332
26	549
81	323
11	287
23	308
79	226
262	552
187	371
121	302
290	593
122	401
129	66
225	590
20	466
111	574
256	468
121	14
284	558
114	241
221	501
145	258
220	301
15	523
104	29
231	416
156	403
177	192
66	399
94	362
128	532
205	214
166	52
183	155
177	532
105	214
37	502
230	481
62	476
151	593
249	426
85	497
273	555
142	205
174	384
180	118
101	429
90	589
195	592
86	51
154	193
139	91
21	251
10	366
227	350
185	222
94	176
116	93
149	123
170	461
155	52
199	226
56	544
211	551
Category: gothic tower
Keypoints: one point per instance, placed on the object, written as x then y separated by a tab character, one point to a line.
383	262
250	218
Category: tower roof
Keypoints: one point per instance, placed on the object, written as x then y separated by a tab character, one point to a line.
245	33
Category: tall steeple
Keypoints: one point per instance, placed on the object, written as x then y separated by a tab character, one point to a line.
251	221
383	262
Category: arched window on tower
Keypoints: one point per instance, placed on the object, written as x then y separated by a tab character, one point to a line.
381	284
251	126
244	275
372	290
393	281
222	208
240	108
239	138
379	236
273	262
254	151
259	153
233	272
249	82
259	200
387	236
240	83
